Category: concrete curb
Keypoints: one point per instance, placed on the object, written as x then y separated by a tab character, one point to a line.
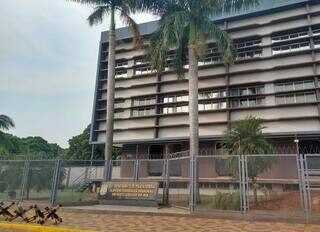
32	228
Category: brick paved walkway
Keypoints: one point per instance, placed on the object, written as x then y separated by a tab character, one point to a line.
130	223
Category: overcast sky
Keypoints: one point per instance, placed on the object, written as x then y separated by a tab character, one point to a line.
48	60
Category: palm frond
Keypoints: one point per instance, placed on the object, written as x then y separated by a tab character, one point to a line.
158	7
92	2
181	55
169	35
156	52
246	137
98	15
232	6
221	37
6	122
133	27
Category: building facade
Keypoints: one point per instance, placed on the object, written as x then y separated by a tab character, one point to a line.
275	77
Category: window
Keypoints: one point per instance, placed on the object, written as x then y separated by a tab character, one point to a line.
183	98
122	64
296	98
243	91
317	43
248	49
212	94
212	106
178	98
140	61
143	112
209	60
144	101
143	70
119	104
121	74
247	102
175	109
295	85
211	56
119	114
300	46
316	31
249	54
247	44
290	36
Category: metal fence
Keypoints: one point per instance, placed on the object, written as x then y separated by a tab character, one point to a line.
273	184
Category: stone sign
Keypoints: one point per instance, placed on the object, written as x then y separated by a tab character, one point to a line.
144	191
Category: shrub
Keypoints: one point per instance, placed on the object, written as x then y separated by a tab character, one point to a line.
227	201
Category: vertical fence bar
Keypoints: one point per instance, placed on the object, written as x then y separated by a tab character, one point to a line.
25	177
136	170
55	184
300	179
308	184
306	187
243	181
165	195
246	183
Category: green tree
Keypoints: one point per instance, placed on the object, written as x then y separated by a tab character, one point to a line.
246	138
29	147
109	8
80	149
186	25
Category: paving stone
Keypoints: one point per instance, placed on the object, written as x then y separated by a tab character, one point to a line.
128	223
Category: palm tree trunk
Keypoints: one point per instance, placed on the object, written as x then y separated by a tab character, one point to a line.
193	102
193	111
110	88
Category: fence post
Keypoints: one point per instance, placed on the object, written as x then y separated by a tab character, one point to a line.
25	178
136	170
193	183
166	182
55	184
243	183
304	184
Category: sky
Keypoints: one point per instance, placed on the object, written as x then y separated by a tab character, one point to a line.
48	61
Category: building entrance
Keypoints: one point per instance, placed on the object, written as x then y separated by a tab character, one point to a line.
155	153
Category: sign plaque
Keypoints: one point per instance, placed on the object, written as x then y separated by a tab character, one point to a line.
134	191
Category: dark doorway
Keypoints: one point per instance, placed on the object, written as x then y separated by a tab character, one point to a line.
175	165
155	167
312	148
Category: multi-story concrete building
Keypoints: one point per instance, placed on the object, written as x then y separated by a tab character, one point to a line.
275	77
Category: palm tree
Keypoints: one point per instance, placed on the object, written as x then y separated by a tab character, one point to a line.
186	25
246	138
103	8
5	124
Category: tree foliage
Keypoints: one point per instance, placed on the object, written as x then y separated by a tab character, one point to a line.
104	8
246	138
29	146
80	149
186	23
